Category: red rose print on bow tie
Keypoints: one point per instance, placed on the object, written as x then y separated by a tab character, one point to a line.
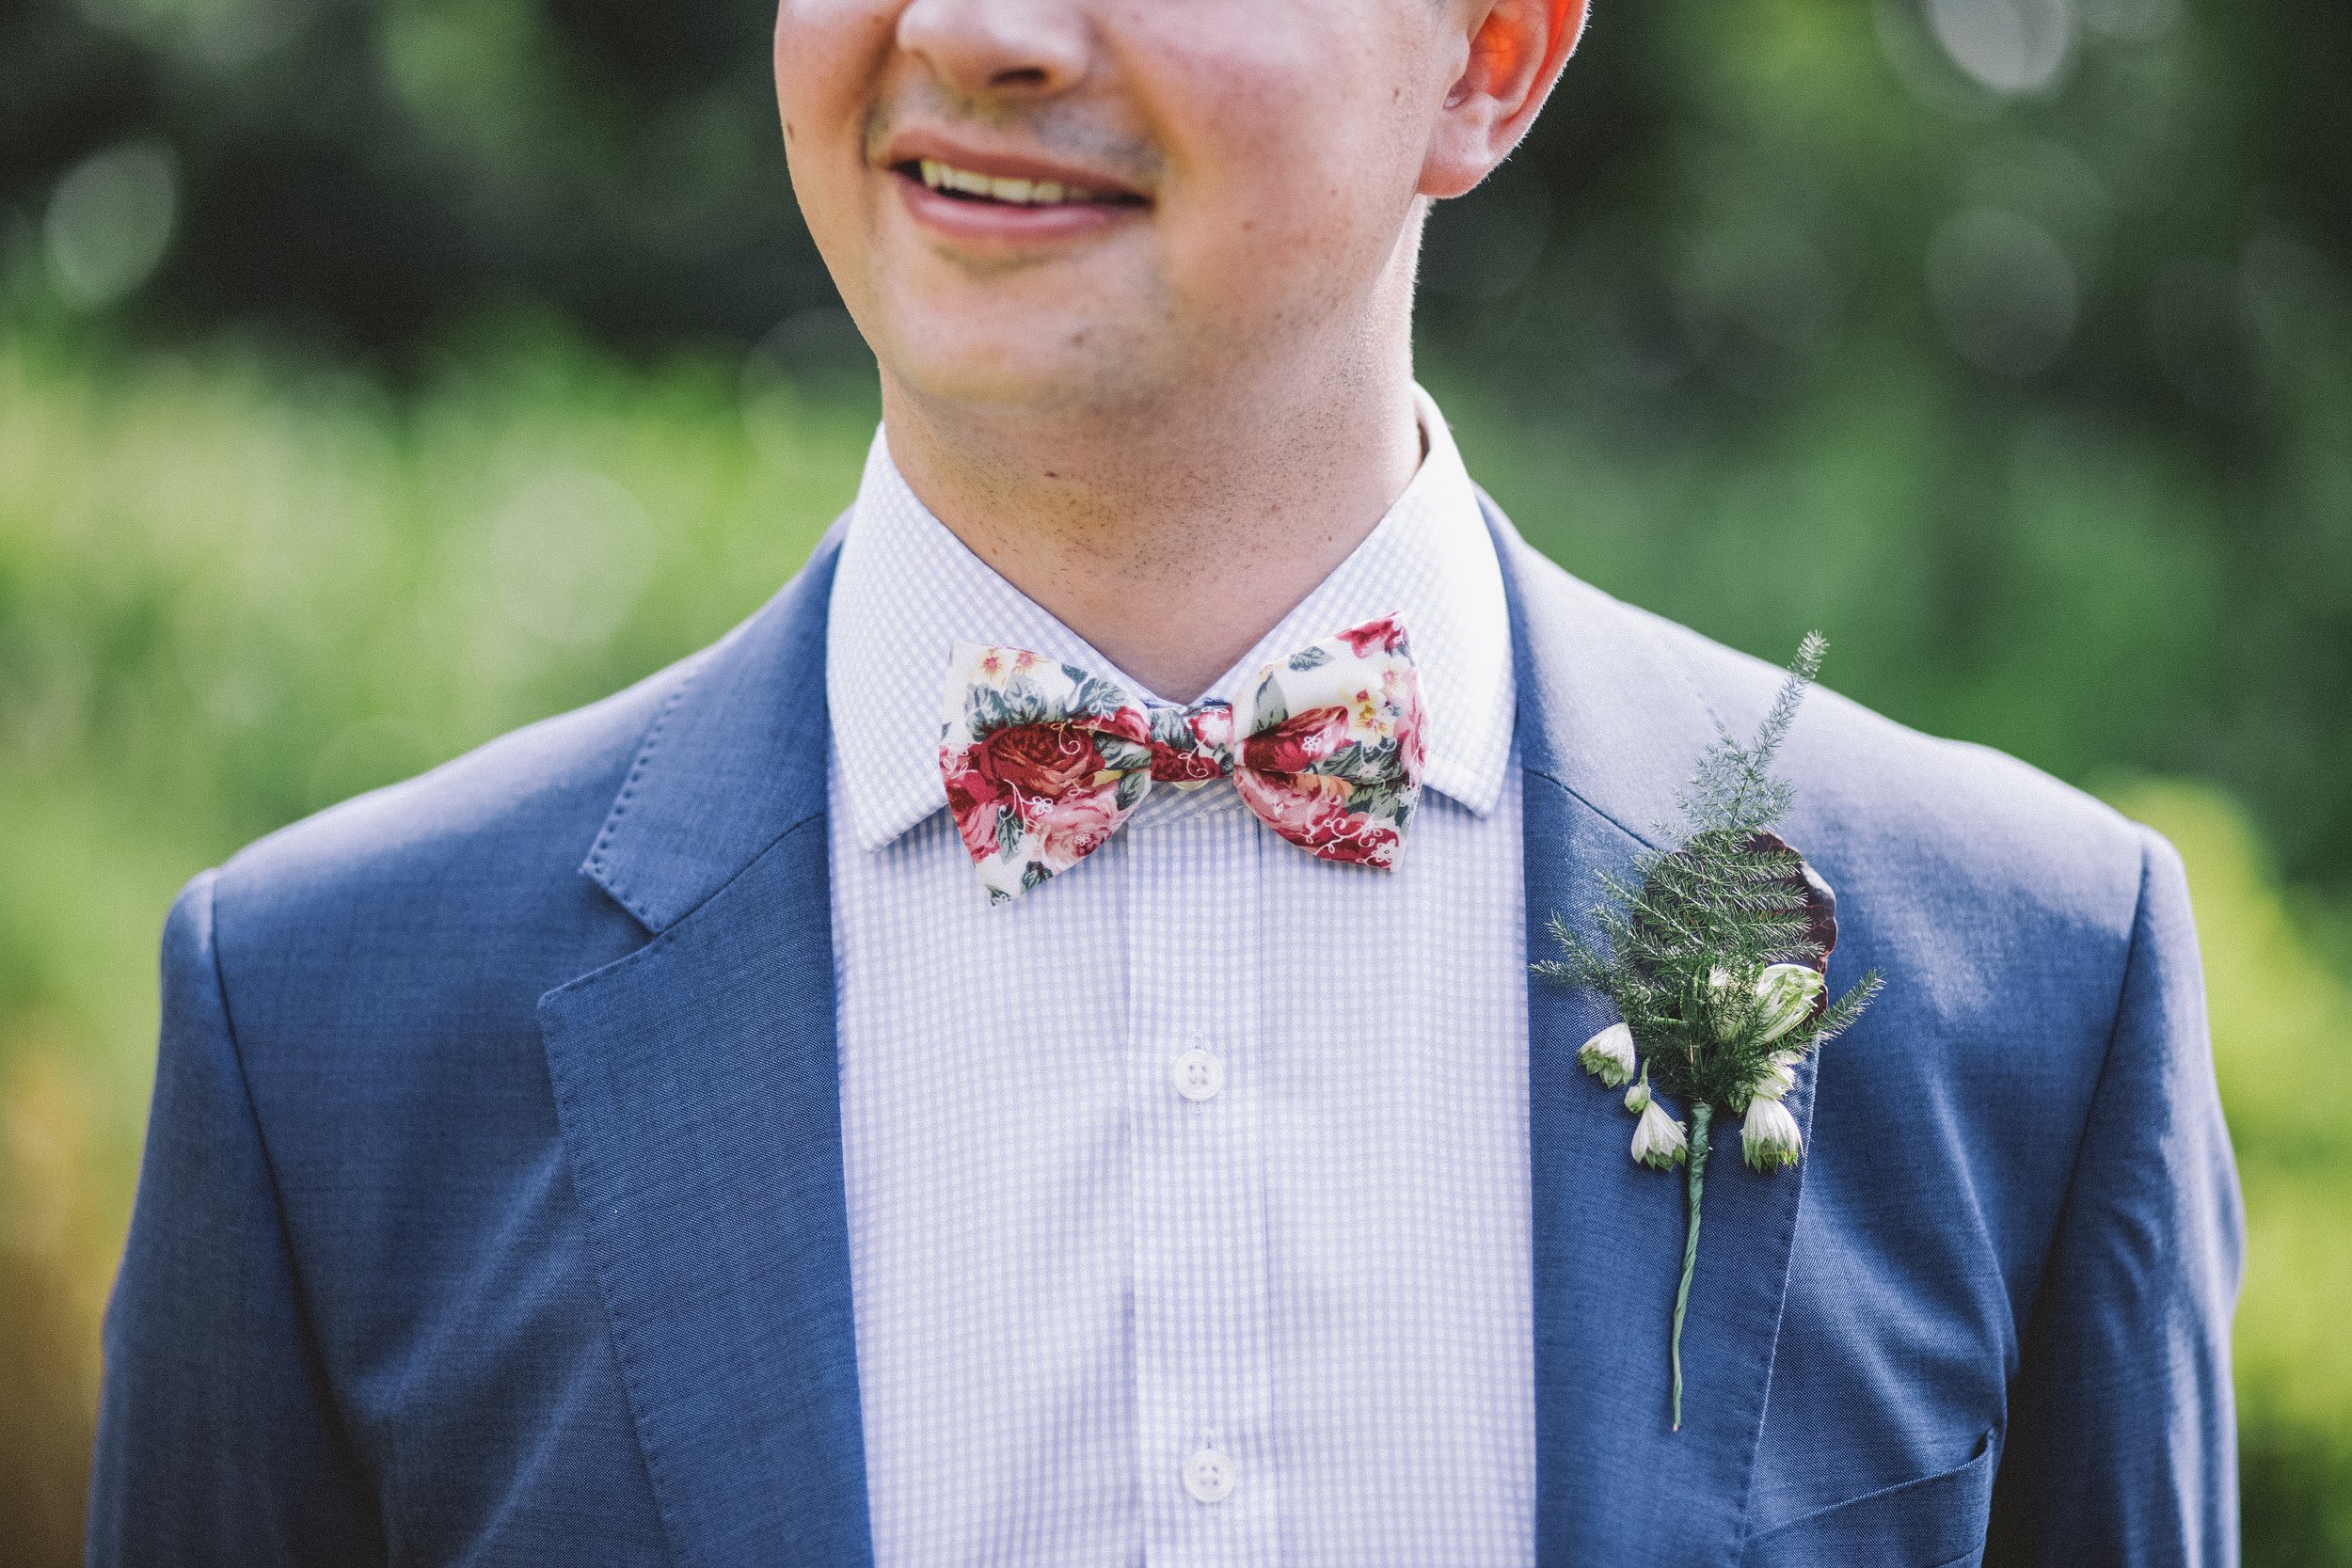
1075	825
974	799
1297	742
1042	761
1314	812
1384	635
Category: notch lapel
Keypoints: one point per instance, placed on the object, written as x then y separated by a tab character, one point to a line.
698	1088
1610	726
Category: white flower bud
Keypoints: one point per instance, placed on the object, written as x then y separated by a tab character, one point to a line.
1768	1137
1659	1140
1637	1098
1788	992
1780	1076
1609	1055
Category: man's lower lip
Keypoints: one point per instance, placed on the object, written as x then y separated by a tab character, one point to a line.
959	218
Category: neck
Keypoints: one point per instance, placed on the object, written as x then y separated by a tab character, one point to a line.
1176	535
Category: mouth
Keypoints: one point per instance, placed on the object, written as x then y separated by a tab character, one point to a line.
972	185
1004	205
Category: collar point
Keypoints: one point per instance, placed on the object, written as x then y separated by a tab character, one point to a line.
1476	789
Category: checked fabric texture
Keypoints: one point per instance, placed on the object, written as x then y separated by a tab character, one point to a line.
1043	761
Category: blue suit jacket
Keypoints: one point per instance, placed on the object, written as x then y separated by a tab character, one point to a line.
492	1206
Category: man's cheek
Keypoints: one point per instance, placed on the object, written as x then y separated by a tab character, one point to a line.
826	53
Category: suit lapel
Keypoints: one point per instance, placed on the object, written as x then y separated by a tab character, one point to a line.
696	1086
1610	726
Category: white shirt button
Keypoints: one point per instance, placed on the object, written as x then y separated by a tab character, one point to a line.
1209	1476
1198	1074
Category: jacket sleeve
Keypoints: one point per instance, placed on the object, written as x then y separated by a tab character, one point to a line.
2122	1444
216	1440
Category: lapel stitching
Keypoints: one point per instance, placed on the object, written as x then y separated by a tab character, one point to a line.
597	867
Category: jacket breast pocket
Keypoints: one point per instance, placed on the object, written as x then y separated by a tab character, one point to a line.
1934	1522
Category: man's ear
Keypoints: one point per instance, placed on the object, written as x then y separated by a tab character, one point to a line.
1516	48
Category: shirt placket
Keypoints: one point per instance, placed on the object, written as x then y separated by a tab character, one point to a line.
1203	1320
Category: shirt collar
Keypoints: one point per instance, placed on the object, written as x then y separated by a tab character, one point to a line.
908	589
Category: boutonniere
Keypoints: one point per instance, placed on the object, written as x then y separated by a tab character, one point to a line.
1716	956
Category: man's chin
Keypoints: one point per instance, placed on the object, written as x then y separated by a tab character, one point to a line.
1049	370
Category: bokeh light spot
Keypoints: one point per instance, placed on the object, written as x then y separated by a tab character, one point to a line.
110	221
2010	46
570	556
2003	291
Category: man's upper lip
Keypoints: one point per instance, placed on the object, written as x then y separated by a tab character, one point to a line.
914	146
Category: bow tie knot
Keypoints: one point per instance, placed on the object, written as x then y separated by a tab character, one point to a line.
1191	746
1043	761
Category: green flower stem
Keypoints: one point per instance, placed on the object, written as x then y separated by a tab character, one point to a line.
1701	1114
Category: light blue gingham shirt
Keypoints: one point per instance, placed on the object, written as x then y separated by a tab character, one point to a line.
1101	1319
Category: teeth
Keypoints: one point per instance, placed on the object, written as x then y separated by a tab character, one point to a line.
1023	193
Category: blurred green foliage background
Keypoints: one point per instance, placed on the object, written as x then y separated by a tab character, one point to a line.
376	375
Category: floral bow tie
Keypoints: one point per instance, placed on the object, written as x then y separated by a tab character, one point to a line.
1043	762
